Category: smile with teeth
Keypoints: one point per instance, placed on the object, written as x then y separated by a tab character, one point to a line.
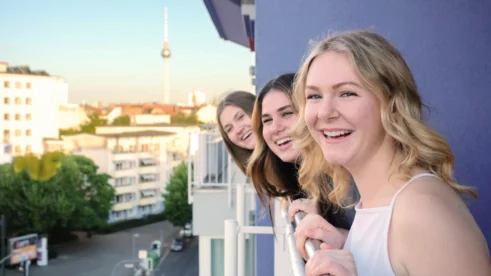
283	141
246	135
337	134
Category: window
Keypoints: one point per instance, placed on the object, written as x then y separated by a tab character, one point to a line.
17	117
17	132
28	132
6	117
28	85
17	100
28	116
28	149
6	100
17	149
28	101
6	84
18	85
6	134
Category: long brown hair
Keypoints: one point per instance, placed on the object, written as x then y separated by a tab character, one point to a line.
245	101
271	176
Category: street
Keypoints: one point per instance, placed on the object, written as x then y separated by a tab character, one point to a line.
101	254
184	263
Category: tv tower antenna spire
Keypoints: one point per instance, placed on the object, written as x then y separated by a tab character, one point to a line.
166	55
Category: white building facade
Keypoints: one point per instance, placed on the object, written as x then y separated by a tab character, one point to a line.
138	164
29	102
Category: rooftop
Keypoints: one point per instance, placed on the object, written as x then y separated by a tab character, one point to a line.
146	133
25	70
155	125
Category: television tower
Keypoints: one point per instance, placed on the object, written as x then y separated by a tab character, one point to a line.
166	55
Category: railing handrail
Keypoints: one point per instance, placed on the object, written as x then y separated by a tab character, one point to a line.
233	229
295	258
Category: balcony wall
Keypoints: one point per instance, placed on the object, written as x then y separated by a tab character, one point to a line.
126	189
123	156
211	209
149	200
124	206
148	185
148	169
124	173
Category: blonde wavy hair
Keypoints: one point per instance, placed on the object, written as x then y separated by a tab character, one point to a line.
382	70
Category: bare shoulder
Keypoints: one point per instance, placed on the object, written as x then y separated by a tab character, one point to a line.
432	225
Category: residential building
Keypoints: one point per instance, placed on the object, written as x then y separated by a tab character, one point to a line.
29	104
196	98
179	144
5	153
456	87
207	114
138	163
71	116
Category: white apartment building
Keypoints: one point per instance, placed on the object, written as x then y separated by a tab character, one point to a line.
5	152
29	102
177	146
138	163
71	116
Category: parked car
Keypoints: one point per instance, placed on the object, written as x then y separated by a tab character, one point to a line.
188	230
177	245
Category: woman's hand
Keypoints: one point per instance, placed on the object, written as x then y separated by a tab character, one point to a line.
331	262
314	226
304	205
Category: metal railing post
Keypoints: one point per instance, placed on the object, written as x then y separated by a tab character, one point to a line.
298	266
190	168
310	245
230	259
240	210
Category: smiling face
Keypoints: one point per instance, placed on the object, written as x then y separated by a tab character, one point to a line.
341	114
278	117
237	125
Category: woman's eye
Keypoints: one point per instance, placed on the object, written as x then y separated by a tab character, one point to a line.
348	94
313	97
265	121
288	113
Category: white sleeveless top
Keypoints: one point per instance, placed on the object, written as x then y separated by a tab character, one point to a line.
368	237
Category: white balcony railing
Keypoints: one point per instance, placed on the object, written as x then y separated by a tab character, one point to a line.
234	230
210	166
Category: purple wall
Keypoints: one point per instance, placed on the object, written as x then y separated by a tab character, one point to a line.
448	47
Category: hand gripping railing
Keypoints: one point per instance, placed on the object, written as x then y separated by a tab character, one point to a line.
311	245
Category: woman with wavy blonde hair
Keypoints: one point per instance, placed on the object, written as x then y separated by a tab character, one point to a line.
362	117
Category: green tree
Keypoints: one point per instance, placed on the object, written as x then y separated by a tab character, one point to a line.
76	197
123	120
95	195
183	118
177	210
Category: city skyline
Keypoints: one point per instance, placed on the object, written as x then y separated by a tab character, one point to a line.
125	64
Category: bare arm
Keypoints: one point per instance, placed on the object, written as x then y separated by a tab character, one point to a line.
435	234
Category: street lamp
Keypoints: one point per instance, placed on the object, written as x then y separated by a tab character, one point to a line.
133	241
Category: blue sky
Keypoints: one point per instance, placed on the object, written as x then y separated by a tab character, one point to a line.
110	50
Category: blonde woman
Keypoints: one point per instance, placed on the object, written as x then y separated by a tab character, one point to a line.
362	114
